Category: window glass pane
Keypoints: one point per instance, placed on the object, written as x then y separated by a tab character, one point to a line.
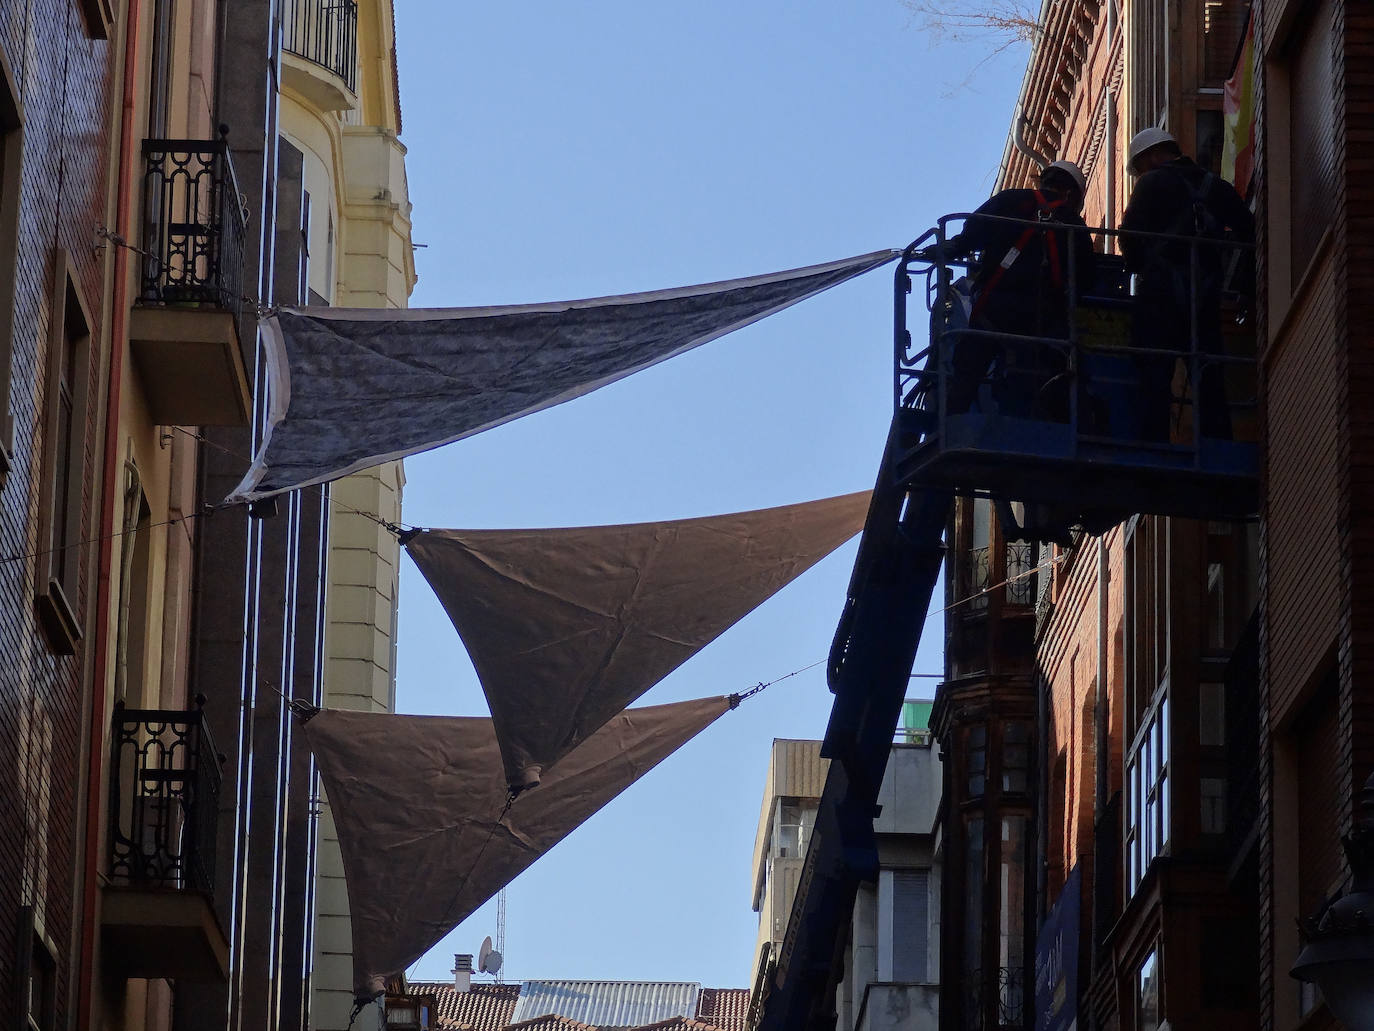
1163	738
1312	128
1148	999
973	903
1211	715
1164	816
1015	756
1011	946
789	829
977	760
1216	606
1213	805
982	523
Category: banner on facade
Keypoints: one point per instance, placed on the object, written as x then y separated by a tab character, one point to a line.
351	388
425	829
566	627
1238	116
1056	960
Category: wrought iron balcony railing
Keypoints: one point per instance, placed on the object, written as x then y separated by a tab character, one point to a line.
326	33
1003	988
193	224
164	799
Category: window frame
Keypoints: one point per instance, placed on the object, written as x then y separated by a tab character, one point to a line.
35	949
58	579
11	185
99	17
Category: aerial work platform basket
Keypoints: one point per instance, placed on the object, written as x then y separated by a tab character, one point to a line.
1076	420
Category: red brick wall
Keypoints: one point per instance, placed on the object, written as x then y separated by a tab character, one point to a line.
63	77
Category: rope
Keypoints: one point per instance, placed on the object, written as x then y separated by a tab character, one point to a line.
300	708
106	537
398	530
110	236
735	699
491	833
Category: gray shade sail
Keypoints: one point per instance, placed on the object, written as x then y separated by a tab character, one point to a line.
566	627
351	388
418	800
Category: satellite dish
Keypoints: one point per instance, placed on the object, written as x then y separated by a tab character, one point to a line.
488	959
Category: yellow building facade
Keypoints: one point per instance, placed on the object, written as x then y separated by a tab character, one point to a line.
340	110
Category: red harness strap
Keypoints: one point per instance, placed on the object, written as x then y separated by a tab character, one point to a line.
1044	209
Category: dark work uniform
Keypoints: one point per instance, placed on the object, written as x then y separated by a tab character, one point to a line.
1020	285
1168	288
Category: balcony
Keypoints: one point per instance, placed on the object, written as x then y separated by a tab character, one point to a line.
995	1000
158	918
184	328
320	52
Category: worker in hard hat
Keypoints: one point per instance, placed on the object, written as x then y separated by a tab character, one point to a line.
1179	281
1022	271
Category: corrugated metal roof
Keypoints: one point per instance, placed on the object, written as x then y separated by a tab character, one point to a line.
608	1003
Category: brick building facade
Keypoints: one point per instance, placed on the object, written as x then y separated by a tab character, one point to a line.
1135	660
53	110
157	851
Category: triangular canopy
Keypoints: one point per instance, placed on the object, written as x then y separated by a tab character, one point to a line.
416	802
566	627
351	388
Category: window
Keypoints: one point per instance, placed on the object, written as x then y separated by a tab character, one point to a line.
131	647
160	71
1146	615
1147	995
979	568
1015	756
303	287
1011	955
793	831
11	152
1312	134
37	975
61	517
904	927
99	17
973	904
1151	59
1147	787
977	752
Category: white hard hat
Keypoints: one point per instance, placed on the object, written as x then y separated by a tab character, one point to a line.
1073	171
1147	139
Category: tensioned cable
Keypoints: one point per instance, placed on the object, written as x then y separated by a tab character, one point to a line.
104	537
110	236
399	530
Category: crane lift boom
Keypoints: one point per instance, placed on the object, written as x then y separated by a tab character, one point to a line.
1084	464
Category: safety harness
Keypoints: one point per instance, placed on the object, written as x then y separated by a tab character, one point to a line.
1044	213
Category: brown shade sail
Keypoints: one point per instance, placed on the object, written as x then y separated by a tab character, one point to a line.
566	627
418	804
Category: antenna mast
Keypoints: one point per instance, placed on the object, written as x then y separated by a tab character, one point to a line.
501	929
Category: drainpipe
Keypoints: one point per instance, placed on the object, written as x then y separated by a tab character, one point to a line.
1104	893
1109	130
119	314
1101	740
1042	806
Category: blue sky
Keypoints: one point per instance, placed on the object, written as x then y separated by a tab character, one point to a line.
559	151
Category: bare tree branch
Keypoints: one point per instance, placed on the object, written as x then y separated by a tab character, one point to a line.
1011	21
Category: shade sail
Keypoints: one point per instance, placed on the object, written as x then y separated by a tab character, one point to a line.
351	388
417	804
566	627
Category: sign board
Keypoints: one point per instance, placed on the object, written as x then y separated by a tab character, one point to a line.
1056	960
